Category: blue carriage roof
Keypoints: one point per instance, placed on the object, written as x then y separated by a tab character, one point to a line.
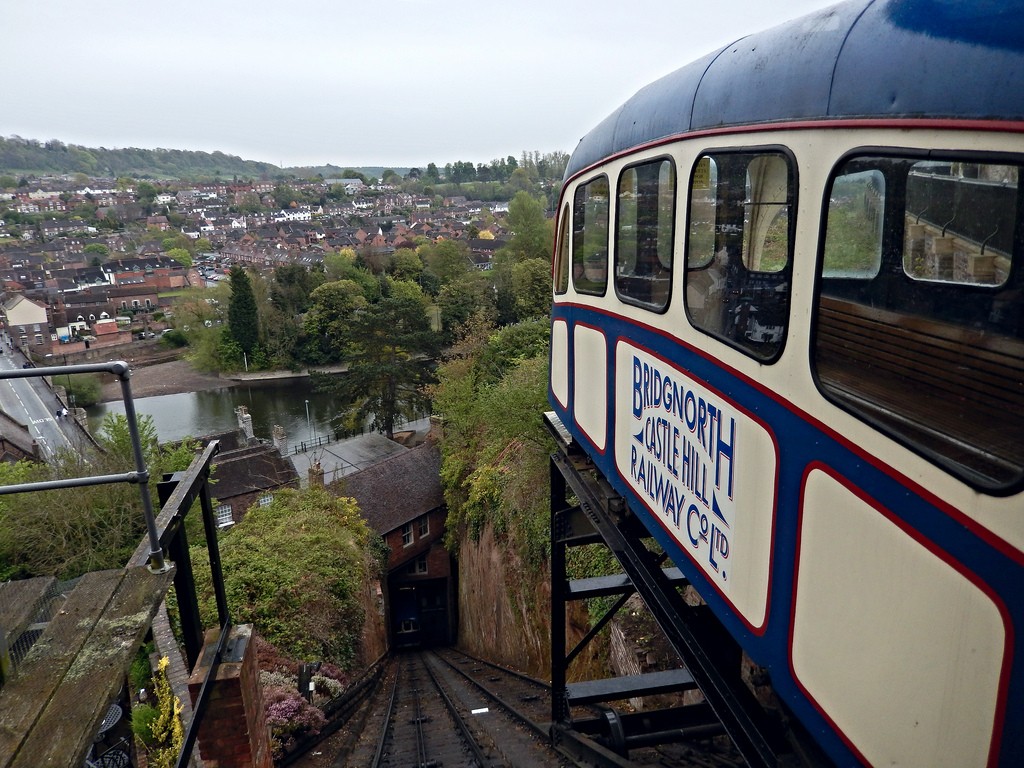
860	59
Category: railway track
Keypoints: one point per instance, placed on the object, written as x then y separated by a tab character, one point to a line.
435	717
444	708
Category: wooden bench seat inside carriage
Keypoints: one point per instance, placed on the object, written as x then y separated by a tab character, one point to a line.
956	391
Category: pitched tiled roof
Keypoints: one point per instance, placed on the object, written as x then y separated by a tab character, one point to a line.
398	489
252	469
17	434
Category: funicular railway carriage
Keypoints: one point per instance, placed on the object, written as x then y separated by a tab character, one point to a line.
788	328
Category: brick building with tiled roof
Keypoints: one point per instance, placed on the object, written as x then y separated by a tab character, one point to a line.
247	476
402	500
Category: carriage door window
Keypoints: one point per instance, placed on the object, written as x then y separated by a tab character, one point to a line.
919	329
561	270
644	208
738	249
853	241
590	237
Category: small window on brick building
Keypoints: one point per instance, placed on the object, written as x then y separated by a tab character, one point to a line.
417	567
266	500
424	526
407	537
224	518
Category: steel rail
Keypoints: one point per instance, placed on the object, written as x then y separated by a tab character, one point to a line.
463	727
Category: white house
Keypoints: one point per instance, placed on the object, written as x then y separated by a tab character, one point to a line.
26	322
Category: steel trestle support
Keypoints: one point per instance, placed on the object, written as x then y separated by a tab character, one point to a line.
709	654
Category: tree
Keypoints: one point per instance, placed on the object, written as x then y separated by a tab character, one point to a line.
406	265
532	232
492	392
293	286
463	298
70	531
145	193
285	196
342	265
294	569
243	316
326	322
83	389
389	349
177	241
531	285
98	250
531	241
448	259
250	203
181	256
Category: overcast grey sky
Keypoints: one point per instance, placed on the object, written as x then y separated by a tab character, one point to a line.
372	83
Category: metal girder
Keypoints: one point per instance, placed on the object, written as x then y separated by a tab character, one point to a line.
710	655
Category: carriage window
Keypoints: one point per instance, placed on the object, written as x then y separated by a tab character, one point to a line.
920	319
738	249
561	270
645	203
959	222
590	237
853	236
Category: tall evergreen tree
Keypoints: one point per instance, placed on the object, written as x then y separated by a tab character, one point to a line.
389	348
243	318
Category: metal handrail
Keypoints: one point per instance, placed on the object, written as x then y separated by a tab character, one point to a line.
166	533
140	477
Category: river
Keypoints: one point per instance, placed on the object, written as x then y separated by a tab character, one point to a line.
194	414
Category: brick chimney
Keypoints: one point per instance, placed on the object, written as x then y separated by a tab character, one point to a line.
280	439
233	733
244	421
316	475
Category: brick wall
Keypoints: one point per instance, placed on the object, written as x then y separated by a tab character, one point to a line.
233	732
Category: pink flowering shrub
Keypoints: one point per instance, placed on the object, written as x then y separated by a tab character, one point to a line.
289	717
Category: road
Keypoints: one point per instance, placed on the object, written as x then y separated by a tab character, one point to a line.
31	402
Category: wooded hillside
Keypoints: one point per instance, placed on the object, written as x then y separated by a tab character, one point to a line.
20	156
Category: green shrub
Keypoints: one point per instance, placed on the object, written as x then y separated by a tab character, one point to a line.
174	338
144	717
83	388
140	674
295	570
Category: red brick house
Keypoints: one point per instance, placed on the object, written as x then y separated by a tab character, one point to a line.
246	476
402	500
16	443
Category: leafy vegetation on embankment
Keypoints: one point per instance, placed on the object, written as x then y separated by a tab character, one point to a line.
495	473
295	570
492	395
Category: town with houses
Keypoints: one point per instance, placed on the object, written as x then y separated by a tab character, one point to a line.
61	301
59	298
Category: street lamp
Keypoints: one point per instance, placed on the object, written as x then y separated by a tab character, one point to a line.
309	424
